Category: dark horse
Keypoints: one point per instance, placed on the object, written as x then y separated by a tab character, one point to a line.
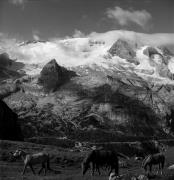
98	158
154	159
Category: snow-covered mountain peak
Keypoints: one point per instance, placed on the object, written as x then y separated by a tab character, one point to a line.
109	51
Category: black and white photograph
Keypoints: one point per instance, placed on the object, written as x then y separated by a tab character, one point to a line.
86	89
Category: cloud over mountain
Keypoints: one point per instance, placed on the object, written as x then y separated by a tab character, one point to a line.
124	17
18	2
80	50
155	39
35	34
78	33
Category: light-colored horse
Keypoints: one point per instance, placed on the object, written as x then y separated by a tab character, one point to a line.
32	159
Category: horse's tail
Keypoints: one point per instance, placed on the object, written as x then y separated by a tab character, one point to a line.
123	156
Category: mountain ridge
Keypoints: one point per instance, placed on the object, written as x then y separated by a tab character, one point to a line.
122	93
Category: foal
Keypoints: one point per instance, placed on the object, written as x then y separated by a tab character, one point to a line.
32	159
153	159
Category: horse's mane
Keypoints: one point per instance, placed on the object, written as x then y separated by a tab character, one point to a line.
24	152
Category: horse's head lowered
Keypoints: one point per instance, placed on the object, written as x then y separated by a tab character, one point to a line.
18	153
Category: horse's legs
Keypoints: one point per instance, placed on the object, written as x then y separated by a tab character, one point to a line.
25	166
150	167
41	168
162	167
98	169
145	168
117	169
45	169
110	170
159	168
92	169
32	169
113	168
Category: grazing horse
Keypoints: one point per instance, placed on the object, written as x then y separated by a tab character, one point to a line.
154	159
32	159
98	158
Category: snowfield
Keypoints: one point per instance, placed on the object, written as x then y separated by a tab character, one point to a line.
89	51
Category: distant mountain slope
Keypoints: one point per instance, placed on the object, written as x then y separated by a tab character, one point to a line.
103	83
8	67
126	105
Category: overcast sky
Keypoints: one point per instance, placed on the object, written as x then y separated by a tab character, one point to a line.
44	19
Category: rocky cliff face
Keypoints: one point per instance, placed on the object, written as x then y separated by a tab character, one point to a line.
110	98
5	61
124	50
5	68
9	127
122	105
159	60
53	75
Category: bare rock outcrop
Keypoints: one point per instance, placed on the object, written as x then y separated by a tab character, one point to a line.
53	75
124	50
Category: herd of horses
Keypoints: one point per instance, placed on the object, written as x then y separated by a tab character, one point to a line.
94	160
102	158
